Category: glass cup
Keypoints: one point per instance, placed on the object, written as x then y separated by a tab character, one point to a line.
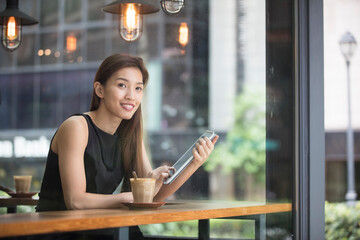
22	183
143	189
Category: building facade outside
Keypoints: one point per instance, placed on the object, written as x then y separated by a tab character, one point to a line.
339	18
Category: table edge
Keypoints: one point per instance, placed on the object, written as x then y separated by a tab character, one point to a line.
115	221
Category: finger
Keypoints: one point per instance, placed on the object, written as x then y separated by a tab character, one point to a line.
202	151
168	170
201	140
172	170
165	175
165	168
196	154
209	144
214	140
203	143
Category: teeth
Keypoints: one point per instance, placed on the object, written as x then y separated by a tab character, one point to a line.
128	106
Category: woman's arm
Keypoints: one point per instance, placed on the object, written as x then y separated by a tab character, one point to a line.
69	143
201	153
159	173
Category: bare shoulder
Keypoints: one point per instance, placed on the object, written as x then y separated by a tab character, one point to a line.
75	124
73	131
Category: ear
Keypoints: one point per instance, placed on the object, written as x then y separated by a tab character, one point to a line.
99	90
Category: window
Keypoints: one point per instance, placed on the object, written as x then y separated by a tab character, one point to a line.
235	75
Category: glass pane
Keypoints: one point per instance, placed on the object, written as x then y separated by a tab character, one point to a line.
86	89
48	48
49	91
25	101
6	59
175	88
5	101
223	75
73	11
27	50
96	44
28	8
49	13
341	83
172	40
119	45
150	35
94	10
71	93
342	119
280	115
73	47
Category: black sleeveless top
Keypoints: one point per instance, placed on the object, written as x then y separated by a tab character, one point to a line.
103	169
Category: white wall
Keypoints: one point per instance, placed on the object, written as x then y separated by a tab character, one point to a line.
255	44
223	47
222	64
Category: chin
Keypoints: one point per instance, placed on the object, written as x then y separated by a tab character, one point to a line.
127	117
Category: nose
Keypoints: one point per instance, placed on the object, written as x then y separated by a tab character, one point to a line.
130	94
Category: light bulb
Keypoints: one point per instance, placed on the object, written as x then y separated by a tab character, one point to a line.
172	7
130	22
11	33
183	34
71	43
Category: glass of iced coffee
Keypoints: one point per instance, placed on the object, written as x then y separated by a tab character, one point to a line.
22	183
143	189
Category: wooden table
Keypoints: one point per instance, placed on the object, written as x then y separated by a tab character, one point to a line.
12	203
78	220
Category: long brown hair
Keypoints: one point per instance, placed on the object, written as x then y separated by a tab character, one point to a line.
129	131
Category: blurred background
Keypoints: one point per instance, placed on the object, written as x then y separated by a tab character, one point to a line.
191	87
340	18
212	76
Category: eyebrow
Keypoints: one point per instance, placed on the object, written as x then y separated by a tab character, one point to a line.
124	79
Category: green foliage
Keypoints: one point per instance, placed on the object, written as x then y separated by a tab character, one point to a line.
245	144
176	229
222	228
232	228
342	222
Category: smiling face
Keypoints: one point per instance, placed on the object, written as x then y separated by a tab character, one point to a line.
122	93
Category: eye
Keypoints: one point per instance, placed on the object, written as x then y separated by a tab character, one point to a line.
139	88
121	85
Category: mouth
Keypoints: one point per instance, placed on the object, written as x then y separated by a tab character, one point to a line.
128	106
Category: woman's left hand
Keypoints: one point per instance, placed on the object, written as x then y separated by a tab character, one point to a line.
203	149
160	174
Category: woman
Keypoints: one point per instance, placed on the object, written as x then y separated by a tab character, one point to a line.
91	153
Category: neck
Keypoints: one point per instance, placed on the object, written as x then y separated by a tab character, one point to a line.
108	124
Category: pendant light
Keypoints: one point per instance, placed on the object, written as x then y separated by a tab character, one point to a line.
172	7
183	37
183	34
130	16
12	19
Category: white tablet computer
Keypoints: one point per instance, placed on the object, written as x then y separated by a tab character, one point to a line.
185	159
